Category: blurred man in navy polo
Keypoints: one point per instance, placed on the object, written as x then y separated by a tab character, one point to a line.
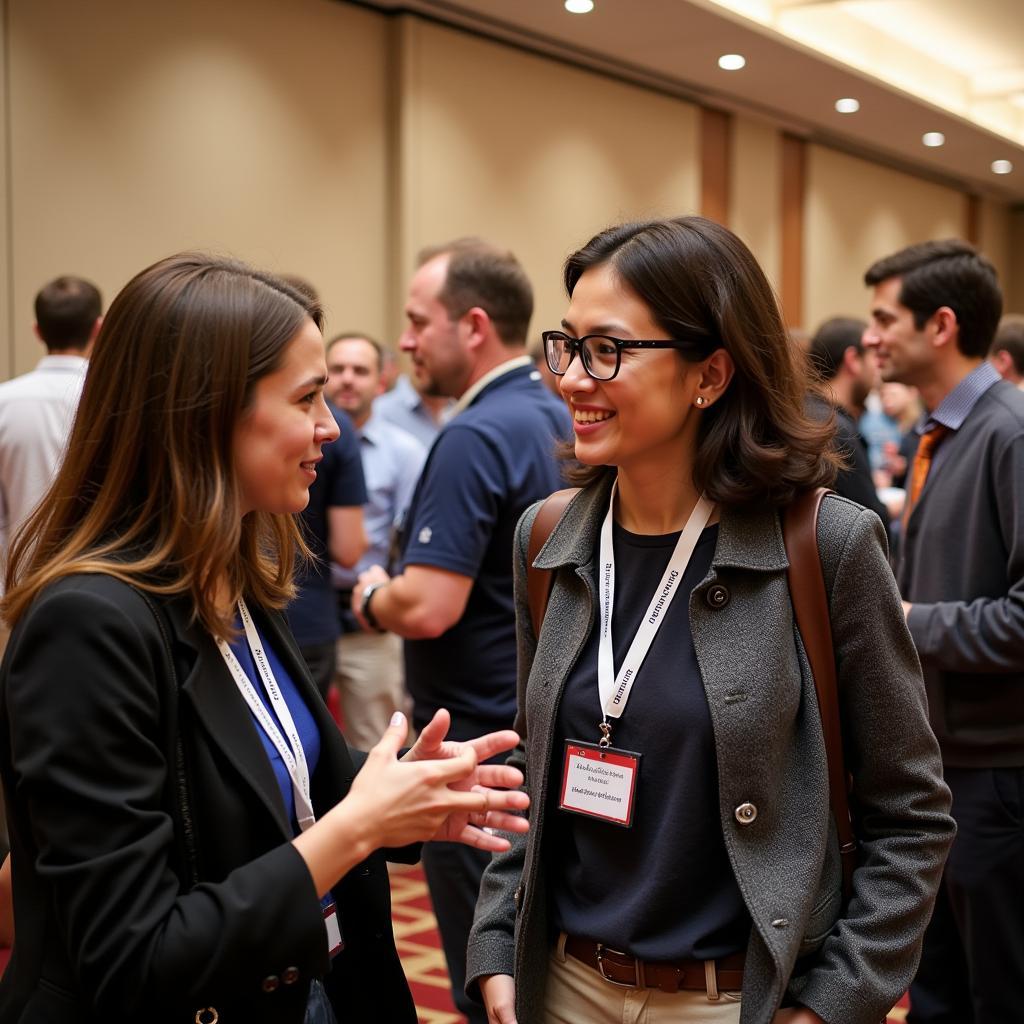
469	309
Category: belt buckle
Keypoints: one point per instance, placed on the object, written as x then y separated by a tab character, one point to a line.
637	981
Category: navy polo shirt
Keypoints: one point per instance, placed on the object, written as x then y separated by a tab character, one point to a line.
663	889
492	461
313	615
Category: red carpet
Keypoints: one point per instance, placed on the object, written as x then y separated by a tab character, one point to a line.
419	946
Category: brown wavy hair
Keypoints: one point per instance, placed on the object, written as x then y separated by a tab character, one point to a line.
147	490
756	444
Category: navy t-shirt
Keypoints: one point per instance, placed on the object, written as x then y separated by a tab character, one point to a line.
664	888
313	615
490	463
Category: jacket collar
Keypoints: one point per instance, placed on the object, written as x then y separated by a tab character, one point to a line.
747	539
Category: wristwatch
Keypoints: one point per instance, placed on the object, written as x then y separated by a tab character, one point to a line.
364	605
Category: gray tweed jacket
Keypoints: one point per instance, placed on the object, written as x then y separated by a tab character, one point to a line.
852	968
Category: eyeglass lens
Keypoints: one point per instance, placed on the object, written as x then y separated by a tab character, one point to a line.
600	355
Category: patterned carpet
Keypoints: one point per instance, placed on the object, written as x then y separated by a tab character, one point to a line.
419	946
420	949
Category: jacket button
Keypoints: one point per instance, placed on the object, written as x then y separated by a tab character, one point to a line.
718	596
270	983
290	975
746	814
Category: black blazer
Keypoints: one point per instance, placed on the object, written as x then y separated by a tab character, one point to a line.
109	925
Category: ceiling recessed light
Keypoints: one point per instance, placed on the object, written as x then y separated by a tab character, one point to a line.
933	139
848	105
579	6
731	61
1001	167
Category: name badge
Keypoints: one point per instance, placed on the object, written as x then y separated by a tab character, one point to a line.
599	782
335	943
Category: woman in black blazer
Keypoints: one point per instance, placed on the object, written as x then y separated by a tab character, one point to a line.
189	832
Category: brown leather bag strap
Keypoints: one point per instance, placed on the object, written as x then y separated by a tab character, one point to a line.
810	607
540	581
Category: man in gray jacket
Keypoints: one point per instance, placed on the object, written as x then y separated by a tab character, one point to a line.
961	573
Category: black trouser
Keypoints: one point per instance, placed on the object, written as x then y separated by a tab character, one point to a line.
972	966
453	873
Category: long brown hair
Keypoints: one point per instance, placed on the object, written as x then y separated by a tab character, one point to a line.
147	492
701	283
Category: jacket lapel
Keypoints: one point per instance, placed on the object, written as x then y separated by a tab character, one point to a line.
207	687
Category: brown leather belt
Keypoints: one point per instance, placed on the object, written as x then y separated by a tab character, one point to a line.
724	974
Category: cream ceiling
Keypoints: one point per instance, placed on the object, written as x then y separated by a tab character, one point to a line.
916	66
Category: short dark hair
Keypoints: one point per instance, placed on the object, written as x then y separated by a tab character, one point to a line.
359	336
952	273
756	445
830	342
1010	338
66	311
178	358
480	274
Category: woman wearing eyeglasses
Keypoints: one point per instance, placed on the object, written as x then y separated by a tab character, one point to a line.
681	863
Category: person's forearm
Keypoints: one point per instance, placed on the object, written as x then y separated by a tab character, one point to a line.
336	844
401	608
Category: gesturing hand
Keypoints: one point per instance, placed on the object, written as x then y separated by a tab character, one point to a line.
497	782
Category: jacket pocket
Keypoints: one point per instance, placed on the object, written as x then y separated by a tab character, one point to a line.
822	920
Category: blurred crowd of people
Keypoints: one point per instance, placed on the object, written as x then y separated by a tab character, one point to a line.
413	599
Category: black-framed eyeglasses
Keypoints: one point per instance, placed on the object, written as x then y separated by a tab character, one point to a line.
600	354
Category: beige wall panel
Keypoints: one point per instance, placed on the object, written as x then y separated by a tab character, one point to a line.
255	127
756	180
994	239
858	211
533	154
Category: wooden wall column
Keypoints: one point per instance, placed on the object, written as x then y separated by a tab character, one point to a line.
794	194
715	132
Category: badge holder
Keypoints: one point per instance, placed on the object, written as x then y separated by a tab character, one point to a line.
335	943
599	781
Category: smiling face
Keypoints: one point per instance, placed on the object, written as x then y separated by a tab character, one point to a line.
647	413
440	361
902	352
278	440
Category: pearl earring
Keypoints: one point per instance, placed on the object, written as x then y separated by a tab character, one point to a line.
701	399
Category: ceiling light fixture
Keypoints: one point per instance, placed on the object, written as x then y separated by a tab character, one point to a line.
732	61
1001	167
579	6
933	139
847	105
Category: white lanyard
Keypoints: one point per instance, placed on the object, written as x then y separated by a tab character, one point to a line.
293	755
614	689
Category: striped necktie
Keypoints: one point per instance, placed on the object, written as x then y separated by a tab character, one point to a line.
930	440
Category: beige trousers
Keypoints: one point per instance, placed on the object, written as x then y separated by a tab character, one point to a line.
577	993
370	676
